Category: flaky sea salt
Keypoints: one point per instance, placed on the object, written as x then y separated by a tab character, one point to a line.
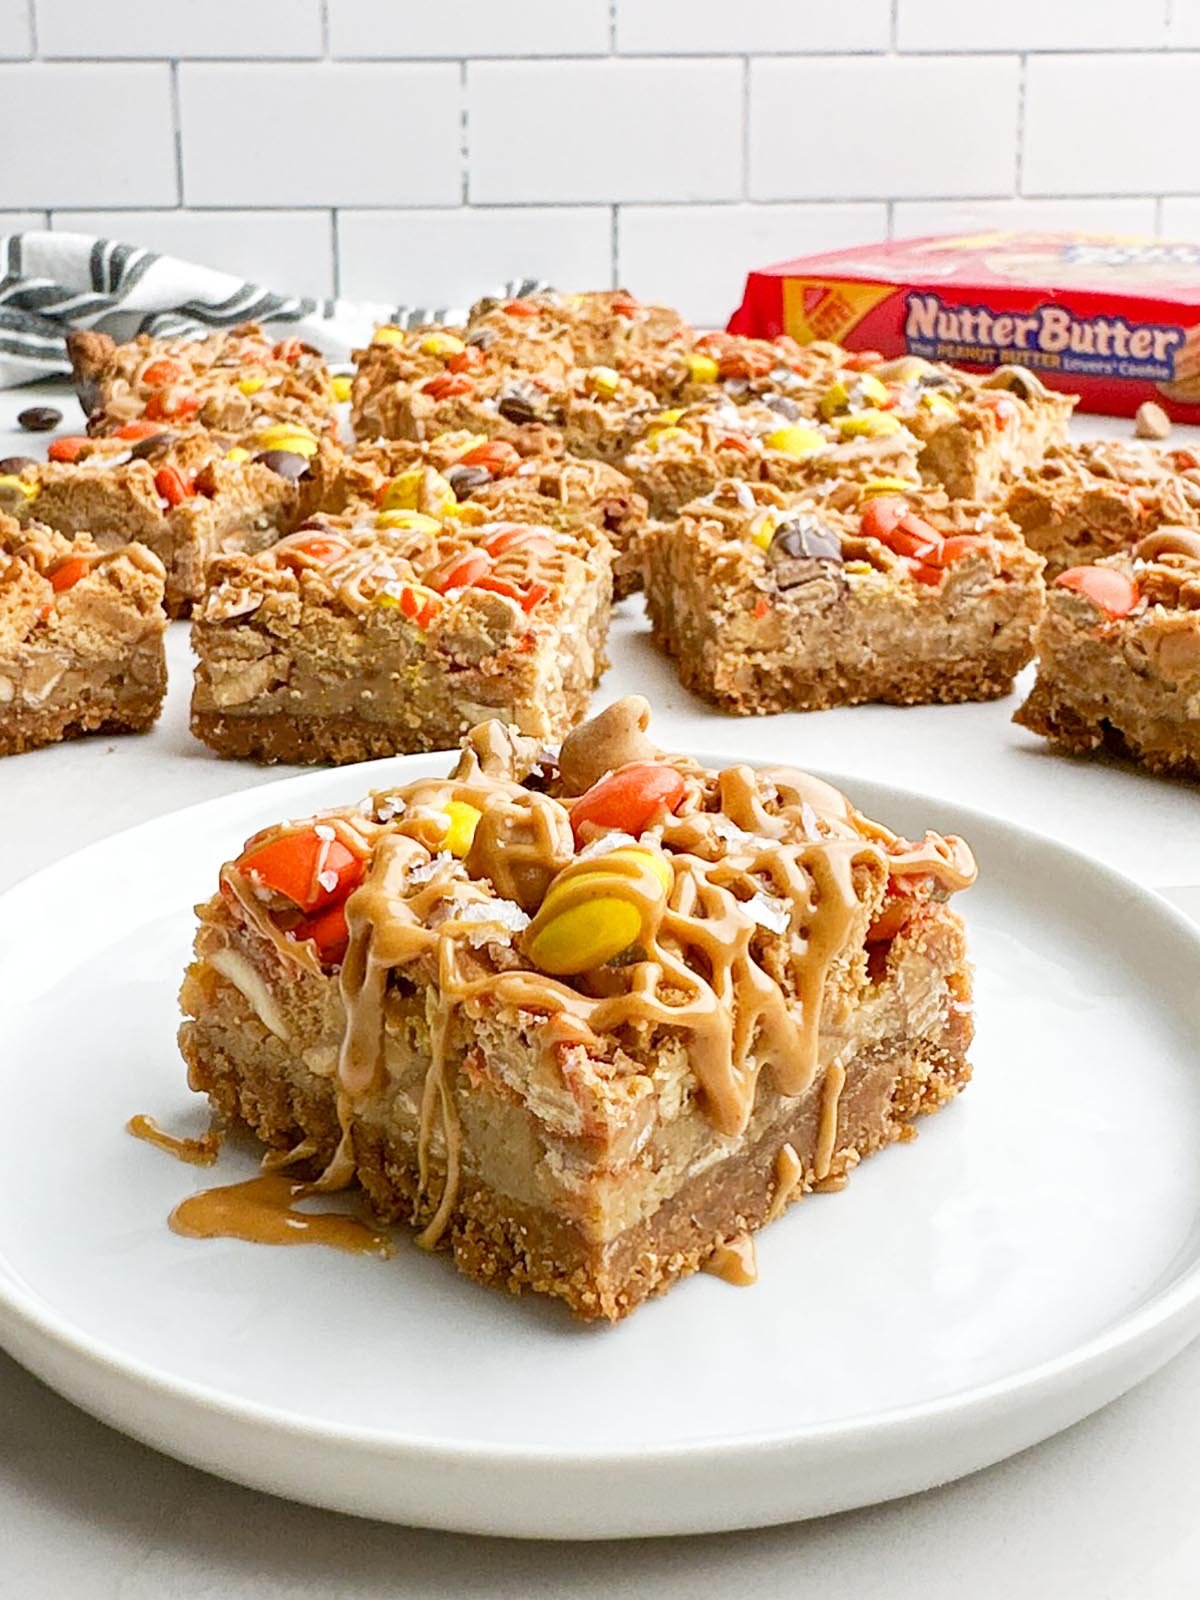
328	881
496	920
603	843
324	831
425	870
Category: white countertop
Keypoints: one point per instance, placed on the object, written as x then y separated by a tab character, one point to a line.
1105	1511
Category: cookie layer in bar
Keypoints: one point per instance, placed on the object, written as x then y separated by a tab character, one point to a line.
188	495
81	637
584	1021
1119	656
386	631
234	381
770	602
1098	498
489	480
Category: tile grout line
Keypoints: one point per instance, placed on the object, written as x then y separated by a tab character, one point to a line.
1022	84
464	137
177	131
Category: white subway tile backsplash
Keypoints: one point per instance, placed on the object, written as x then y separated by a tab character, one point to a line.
1180	217
866	128
173	28
103	135
16	34
365	28
343	134
1131	214
1031	25
1183	30
452	257
1110	124
700	27
289	251
604	131
696	257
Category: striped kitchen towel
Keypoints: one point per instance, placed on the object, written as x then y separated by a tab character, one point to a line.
54	282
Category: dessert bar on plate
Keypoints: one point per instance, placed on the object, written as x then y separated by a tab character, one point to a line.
1119	656
81	637
380	631
235	381
186	494
1098	498
867	591
589	1020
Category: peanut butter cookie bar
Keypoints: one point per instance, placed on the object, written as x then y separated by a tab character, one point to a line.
1119	656
81	637
587	1019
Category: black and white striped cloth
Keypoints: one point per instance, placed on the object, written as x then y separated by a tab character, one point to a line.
55	282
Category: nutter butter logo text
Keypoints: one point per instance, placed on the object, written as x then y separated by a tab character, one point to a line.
1049	336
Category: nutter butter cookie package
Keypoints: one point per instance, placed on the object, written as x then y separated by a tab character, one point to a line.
1114	320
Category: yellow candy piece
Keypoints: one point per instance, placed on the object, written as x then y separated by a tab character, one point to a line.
404	492
762	530
603	381
875	486
464	819
574	934
441	344
341	384
835	399
409	521
388	333
467	513
237	455
702	369
937	405
289	436
868	425
11	484
869	390
795	441
250	385
660	436
860	387
667	419
859	567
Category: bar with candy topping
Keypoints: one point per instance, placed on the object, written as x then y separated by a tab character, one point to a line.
236	381
81	637
1119	656
587	1019
389	630
186	494
857	591
1097	498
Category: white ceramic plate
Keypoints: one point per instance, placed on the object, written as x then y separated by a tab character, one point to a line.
1035	1253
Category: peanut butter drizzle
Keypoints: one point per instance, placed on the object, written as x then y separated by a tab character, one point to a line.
734	1261
201	1152
831	1097
788	1173
708	966
261	1211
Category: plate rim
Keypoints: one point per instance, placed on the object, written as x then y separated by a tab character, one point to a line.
24	1311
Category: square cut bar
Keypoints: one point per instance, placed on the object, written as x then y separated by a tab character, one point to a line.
380	632
1119	656
587	1058
488	480
769	602
81	637
187	496
1098	498
236	381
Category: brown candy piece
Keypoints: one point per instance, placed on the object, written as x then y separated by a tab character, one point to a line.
13	466
287	463
465	480
803	548
39	419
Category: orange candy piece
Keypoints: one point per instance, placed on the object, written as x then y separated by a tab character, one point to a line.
516	535
173	486
162	372
861	360
881	515
629	798
66	573
294	865
521	308
132	432
468	569
1107	587
329	931
443	385
68	449
183	409
321	548
496	456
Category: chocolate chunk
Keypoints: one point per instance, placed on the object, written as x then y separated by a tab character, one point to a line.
89	395
287	463
145	448
12	466
516	406
780	404
465	480
804	538
39	419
